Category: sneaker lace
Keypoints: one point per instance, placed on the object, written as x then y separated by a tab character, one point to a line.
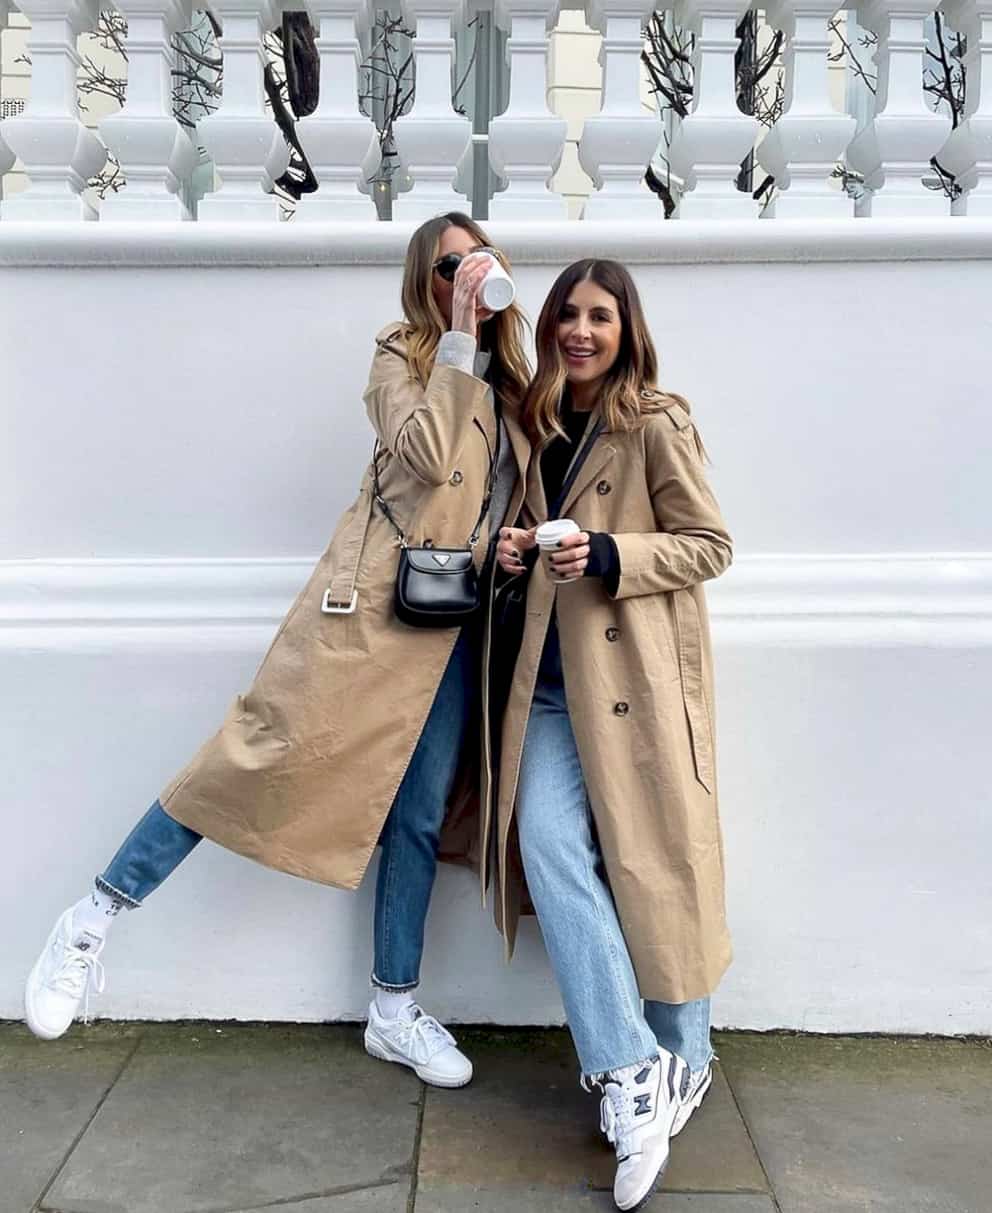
616	1117
424	1036
76	974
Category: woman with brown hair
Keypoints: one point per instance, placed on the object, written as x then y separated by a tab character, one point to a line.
606	803
355	724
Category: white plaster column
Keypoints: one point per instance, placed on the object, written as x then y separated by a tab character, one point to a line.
617	144
893	151
712	140
526	140
245	144
968	150
154	150
7	157
801	149
341	144
58	151
432	139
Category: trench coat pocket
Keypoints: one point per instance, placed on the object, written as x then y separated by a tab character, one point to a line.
693	695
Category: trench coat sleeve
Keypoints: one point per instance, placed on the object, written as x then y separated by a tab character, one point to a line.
691	543
423	428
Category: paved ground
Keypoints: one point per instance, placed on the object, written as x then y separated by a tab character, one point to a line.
200	1118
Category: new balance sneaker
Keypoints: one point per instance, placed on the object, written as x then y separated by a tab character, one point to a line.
417	1040
68	967
638	1108
699	1084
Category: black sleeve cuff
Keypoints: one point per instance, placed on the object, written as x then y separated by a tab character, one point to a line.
604	560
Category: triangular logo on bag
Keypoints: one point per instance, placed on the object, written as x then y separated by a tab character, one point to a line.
441	558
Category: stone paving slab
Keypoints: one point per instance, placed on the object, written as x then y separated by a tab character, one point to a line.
224	1118
391	1199
525	1120
537	1198
49	1090
848	1124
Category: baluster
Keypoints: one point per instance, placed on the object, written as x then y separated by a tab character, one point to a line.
58	152
893	151
526	140
432	139
801	149
968	150
712	140
246	146
617	143
154	151
341	144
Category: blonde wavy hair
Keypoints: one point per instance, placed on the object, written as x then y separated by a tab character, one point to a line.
630	392
503	335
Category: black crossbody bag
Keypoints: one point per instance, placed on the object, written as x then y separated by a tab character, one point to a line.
438	587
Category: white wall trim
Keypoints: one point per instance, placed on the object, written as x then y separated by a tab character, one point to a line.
311	245
841	599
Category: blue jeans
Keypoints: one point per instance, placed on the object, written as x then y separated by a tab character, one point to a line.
409	840
567	881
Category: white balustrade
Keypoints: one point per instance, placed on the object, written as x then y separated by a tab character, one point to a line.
618	143
968	150
340	142
246	146
58	152
712	140
802	148
893	151
7	157
154	150
526	140
432	139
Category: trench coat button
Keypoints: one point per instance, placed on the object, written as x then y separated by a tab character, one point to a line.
621	709
456	477
612	634
604	487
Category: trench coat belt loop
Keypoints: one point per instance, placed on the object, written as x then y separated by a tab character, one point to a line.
341	597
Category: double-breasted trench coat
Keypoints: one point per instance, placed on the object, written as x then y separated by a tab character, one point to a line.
304	769
639	687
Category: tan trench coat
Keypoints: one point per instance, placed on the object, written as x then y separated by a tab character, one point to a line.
639	684
304	769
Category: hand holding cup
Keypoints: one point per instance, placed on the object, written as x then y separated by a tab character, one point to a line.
564	549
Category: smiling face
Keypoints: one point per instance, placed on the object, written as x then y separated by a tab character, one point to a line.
454	240
589	333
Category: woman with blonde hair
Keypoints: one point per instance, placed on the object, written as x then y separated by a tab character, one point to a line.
606	805
358	719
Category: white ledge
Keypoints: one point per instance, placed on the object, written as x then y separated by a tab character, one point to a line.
113	245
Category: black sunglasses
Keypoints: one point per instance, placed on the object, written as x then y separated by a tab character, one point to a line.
447	265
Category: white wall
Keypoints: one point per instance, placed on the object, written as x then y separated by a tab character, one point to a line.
183	424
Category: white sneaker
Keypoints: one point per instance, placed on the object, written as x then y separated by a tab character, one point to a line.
417	1040
61	979
636	1113
699	1084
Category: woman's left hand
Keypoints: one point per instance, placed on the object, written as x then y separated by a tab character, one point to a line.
571	558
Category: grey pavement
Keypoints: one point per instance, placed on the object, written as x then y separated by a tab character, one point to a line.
235	1118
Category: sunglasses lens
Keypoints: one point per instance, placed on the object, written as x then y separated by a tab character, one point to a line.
447	265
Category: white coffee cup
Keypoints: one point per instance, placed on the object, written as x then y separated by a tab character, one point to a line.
497	291
549	536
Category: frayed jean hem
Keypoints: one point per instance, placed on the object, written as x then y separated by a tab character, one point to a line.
129	903
391	989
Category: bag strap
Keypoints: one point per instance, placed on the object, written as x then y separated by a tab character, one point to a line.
576	466
473	539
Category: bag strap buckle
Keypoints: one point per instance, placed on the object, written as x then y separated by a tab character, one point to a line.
330	607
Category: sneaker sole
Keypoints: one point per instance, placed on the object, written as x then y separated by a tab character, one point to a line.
29	1016
382	1053
682	1119
652	1188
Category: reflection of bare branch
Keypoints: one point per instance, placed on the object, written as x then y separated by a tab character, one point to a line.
471	61
869	41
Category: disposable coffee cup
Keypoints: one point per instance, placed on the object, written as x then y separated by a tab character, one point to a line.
549	536
497	291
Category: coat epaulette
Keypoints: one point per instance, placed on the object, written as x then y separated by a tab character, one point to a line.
387	338
678	416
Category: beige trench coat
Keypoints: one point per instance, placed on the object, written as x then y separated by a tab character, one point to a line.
639	684
304	769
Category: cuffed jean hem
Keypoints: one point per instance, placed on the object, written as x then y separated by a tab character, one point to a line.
385	985
104	886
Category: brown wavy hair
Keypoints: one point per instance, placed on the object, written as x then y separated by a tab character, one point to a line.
502	335
630	391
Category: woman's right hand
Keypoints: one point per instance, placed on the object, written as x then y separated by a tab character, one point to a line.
465	293
513	542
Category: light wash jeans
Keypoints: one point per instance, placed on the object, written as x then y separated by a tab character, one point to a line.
409	840
568	884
